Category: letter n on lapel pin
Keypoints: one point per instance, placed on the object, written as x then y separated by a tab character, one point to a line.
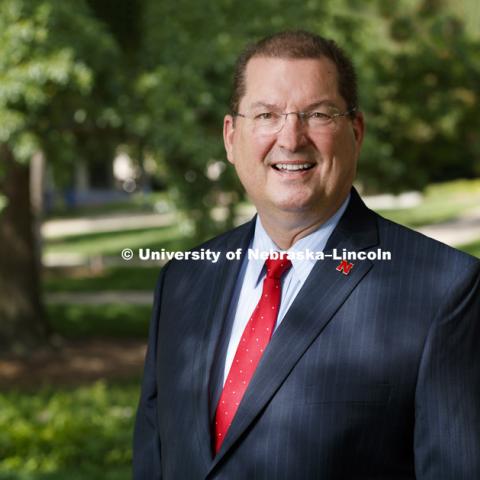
345	267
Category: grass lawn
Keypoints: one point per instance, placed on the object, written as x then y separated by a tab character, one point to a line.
442	202
114	278
113	321
112	243
75	434
472	248
136	203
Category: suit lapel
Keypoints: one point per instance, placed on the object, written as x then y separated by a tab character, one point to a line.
325	290
223	284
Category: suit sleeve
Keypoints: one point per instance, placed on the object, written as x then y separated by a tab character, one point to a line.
146	437
447	401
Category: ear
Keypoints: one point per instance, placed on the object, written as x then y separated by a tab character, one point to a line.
358	125
228	133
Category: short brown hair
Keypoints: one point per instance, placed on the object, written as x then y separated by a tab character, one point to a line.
297	44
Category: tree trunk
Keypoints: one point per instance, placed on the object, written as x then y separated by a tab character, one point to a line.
23	323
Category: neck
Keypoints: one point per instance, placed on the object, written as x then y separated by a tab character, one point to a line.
286	228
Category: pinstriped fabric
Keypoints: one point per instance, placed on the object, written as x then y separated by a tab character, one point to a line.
374	375
249	285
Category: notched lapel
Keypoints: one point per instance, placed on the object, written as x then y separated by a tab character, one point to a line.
324	292
220	290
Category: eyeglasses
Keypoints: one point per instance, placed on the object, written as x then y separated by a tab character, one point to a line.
270	123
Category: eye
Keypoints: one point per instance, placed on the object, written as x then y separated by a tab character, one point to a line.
265	116
319	116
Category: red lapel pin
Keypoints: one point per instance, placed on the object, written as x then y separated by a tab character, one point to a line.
345	267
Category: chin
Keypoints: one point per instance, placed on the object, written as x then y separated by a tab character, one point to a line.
293	205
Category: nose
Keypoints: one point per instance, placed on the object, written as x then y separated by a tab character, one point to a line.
292	135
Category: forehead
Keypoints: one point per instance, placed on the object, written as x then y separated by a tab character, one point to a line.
291	82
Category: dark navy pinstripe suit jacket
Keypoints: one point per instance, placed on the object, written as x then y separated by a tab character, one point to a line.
371	375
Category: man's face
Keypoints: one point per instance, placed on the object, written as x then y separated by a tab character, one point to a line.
288	85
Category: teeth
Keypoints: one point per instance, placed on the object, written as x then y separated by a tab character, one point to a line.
291	167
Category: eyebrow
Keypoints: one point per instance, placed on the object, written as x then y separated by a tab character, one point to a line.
269	106
315	104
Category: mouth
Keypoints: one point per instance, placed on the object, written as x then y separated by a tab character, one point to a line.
290	168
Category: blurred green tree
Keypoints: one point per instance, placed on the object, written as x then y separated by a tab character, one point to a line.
422	100
57	85
76	77
188	52
418	74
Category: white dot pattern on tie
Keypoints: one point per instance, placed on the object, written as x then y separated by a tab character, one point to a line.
251	348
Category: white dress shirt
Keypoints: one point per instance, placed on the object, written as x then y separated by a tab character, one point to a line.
252	274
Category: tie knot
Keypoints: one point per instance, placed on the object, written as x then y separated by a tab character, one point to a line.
277	267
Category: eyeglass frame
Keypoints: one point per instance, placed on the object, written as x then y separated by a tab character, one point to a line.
302	116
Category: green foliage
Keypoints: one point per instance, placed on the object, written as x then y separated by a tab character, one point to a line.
76	434
189	51
52	65
421	109
417	70
155	77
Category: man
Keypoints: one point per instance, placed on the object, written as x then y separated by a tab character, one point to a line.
373	367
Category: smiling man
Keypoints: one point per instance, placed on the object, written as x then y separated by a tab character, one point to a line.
296	367
297	144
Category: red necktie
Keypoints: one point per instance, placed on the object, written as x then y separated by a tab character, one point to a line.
255	338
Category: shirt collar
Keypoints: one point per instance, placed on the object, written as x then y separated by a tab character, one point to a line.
314	241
